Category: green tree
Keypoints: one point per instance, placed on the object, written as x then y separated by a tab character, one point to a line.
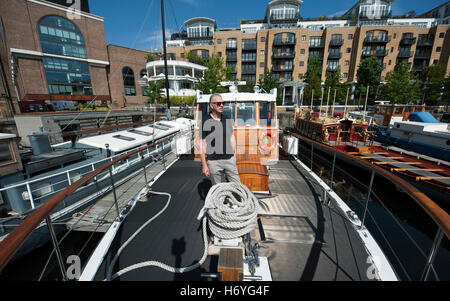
402	86
433	81
369	74
333	81
215	73
154	91
268	82
313	78
193	58
150	57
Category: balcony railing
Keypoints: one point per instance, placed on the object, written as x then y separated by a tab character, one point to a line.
425	42
286	19
422	55
317	45
283	55
249	71
282	68
336	42
334	55
249	59
378	39
280	42
375	53
232	58
231	46
405	54
408	41
332	68
248	46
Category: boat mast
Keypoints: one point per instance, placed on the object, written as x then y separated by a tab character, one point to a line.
166	84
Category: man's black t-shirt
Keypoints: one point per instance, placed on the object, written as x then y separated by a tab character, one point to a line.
217	135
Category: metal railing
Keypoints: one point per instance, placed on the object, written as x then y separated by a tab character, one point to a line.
437	214
12	243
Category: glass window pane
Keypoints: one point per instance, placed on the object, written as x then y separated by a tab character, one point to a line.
246	114
266	113
5	153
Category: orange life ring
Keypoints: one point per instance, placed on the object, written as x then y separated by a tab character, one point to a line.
267	141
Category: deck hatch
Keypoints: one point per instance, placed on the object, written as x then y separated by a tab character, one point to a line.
290	229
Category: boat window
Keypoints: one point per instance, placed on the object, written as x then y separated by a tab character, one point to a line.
246	114
42	190
377	110
138	132
398	111
5	152
266	113
166	125
408	109
160	127
228	110
124	138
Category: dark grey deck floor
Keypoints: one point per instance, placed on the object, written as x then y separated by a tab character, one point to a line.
303	239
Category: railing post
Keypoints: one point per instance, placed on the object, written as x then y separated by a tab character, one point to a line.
31	196
367	200
436	243
56	247
332	170
114	192
145	170
68	178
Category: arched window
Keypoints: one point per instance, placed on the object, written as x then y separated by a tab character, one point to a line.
128	81
61	37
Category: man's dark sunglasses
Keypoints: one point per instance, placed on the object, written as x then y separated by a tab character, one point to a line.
219	104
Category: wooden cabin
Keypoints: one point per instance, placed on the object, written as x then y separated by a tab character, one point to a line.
256	132
386	115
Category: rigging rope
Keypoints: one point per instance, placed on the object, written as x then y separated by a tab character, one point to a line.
231	210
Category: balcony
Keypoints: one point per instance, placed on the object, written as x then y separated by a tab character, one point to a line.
247	47
286	19
317	45
408	41
336	42
405	54
282	68
249	59
249	71
283	55
425	42
377	40
288	42
334	55
231	58
422	55
375	53
231	46
333	68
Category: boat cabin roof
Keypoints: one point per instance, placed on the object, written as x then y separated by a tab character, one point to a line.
6	136
128	139
240	97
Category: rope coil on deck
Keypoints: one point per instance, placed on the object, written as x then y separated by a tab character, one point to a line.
231	209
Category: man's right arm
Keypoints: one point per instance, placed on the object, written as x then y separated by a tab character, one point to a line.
205	169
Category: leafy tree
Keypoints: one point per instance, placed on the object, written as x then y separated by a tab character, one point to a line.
154	91
433	80
268	82
193	58
446	94
215	73
402	86
313	78
333	81
369	74
150	57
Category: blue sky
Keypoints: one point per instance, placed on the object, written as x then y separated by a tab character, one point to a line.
137	23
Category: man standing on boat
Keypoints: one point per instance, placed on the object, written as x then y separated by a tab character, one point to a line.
218	147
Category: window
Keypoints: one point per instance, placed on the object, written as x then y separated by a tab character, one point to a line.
266	113
438	49
302	63
344	75
60	36
231	43
219	41
346	63
300	76
395	36
205	54
261	53
128	81
261	65
5	152
441	35
246	114
142	73
125	138
390	62
303	38
348	50
228	110
350	37
263	39
302	51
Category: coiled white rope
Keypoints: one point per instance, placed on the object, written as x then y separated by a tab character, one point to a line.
232	210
